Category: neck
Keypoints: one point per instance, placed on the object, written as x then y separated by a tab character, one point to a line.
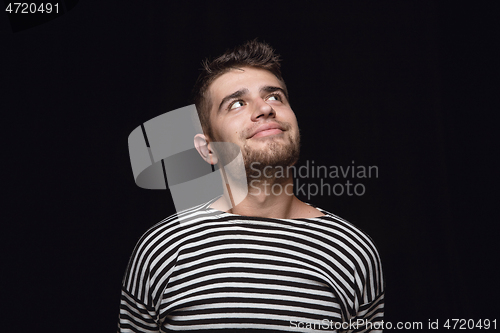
265	198
269	199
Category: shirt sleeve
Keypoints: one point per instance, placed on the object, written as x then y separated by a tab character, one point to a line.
135	316
370	316
137	311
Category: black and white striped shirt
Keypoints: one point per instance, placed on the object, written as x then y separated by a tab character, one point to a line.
207	270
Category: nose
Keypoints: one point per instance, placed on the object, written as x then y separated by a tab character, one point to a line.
262	110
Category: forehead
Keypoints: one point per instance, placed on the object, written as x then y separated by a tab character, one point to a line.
236	79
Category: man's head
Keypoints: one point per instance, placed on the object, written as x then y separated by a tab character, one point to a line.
251	54
242	98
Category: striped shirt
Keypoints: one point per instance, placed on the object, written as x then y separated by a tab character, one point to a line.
207	270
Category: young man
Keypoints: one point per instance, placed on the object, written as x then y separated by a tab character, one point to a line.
263	260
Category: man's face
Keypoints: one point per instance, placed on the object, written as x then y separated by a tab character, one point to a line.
249	108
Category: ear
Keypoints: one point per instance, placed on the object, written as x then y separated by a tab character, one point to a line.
202	145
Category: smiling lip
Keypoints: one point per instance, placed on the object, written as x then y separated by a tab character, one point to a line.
266	130
267	133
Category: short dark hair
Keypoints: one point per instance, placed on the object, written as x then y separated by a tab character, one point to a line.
251	54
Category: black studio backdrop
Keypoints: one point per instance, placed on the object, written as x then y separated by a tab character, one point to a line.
408	86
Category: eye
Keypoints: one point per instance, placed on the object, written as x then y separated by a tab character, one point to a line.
274	97
235	104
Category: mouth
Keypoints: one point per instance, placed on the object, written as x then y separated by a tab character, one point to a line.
266	130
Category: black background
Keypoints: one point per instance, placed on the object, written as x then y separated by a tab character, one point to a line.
409	86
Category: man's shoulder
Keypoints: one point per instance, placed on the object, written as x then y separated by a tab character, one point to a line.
354	244
179	221
337	226
160	243
334	221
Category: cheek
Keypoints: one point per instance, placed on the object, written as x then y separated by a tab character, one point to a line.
229	130
235	127
292	119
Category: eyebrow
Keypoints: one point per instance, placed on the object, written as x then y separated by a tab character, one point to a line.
236	94
244	91
269	89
